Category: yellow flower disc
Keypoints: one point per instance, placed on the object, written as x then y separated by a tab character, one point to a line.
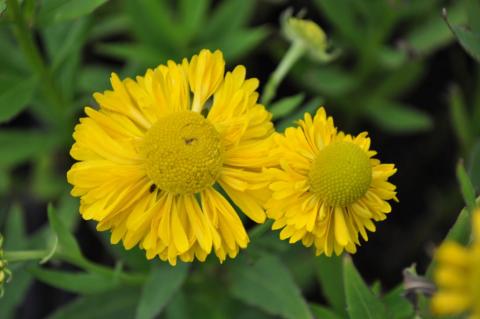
183	153
341	173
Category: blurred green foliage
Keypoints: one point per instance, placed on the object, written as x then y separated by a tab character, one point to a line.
55	53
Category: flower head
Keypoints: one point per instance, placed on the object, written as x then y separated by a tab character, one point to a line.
327	189
457	276
157	158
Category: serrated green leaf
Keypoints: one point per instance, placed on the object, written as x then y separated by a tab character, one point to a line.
16	97
66	241
81	283
330	276
111	305
285	106
53	11
322	312
361	302
268	285
466	186
397	306
396	117
162	283
17	146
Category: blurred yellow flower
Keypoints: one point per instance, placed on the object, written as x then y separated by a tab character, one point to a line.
157	157
328	188
457	276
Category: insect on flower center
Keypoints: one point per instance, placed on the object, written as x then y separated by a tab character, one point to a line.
183	153
341	173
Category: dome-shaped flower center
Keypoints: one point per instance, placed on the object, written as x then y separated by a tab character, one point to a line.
341	173
183	153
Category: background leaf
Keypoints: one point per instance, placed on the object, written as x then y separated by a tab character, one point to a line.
14	98
267	284
162	283
361	302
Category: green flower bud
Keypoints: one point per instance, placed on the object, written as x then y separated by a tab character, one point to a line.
309	34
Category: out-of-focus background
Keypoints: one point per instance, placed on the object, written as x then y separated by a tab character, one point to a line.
401	75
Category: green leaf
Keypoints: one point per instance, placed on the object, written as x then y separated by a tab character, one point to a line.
111	305
361	302
343	16
237	43
162	283
473	12
432	34
474	165
468	40
15	230
17	146
193	13
53	11
229	16
329	80
16	97
153	23
267	284
322	312
397	306
398	118
310	107
466	186
460	233
133	52
81	283
330	276
285	106
66	241
460	117
15	292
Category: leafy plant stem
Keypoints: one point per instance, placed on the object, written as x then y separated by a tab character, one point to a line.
33	55
24	255
296	50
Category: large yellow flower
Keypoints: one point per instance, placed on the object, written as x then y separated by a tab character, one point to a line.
458	276
158	155
328	188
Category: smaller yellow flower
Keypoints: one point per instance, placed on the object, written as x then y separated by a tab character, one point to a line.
458	276
327	188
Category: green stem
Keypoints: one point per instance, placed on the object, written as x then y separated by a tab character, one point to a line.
24	255
32	255
261	229
34	57
296	50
